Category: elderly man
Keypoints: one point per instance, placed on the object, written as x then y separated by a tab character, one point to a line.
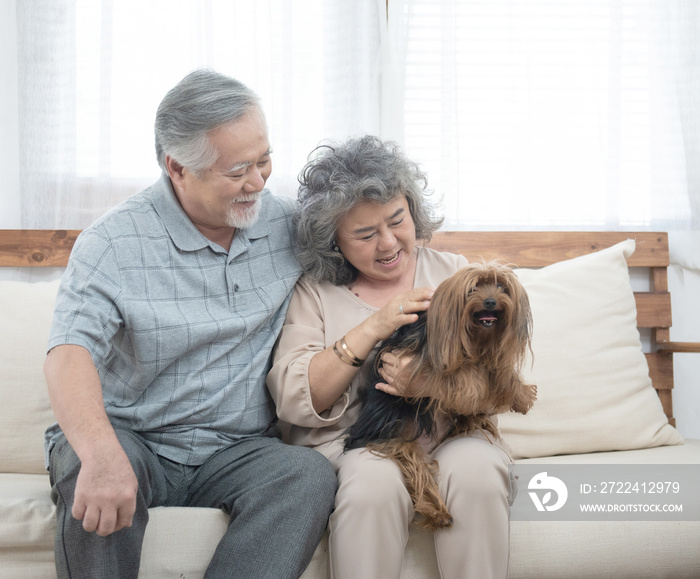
163	328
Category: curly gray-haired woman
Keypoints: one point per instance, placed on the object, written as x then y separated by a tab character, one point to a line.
364	169
362	223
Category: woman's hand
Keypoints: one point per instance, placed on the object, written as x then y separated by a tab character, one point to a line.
329	375
398	311
391	369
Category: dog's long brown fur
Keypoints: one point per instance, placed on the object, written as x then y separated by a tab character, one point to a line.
466	360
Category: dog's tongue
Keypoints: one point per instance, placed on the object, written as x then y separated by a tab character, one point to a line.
487	318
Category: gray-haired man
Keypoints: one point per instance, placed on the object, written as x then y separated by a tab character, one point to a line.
164	323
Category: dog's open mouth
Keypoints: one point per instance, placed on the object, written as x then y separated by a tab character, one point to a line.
486	318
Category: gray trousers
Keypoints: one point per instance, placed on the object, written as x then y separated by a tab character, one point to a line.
279	498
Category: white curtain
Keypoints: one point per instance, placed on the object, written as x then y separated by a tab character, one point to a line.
551	114
91	75
554	114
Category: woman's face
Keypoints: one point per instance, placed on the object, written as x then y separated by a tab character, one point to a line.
378	239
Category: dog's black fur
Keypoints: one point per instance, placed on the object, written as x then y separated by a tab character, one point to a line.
383	416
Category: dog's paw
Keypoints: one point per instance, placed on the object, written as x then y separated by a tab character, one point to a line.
436	520
525	399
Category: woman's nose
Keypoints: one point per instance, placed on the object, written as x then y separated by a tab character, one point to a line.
387	240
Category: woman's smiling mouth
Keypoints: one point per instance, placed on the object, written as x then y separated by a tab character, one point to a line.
391	259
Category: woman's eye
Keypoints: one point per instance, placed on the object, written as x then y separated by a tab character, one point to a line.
397	223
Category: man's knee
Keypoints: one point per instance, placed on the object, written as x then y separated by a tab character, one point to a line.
311	473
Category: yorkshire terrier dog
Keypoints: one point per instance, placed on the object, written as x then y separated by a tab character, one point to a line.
467	350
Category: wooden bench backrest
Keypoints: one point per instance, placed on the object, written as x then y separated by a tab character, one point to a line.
51	248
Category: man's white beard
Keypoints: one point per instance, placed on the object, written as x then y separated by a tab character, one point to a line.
242	219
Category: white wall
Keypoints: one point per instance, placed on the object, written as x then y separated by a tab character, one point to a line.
684	285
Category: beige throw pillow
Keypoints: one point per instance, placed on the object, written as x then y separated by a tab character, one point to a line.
26	311
594	390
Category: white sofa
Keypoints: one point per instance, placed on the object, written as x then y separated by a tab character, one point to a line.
596	405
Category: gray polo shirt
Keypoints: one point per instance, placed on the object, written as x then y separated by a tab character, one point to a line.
180	329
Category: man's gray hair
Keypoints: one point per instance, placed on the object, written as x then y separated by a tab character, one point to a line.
335	180
199	103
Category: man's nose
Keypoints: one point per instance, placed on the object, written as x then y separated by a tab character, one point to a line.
255	181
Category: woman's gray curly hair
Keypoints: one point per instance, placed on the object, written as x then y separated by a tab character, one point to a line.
338	177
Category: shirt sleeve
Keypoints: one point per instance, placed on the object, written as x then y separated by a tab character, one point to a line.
302	337
87	312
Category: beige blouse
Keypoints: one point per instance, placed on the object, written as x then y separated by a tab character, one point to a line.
320	314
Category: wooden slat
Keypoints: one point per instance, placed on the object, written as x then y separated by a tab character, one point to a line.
667	404
680	347
659	279
541	248
521	248
36	247
660	370
653	309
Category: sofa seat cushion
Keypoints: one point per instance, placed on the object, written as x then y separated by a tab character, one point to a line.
180	541
620	549
26	511
596	549
28	526
686	453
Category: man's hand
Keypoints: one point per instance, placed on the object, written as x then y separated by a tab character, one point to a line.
105	493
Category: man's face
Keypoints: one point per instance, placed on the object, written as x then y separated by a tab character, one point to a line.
227	194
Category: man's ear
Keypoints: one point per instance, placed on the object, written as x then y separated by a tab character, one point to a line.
176	171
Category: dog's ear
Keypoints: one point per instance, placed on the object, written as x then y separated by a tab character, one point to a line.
447	326
523	318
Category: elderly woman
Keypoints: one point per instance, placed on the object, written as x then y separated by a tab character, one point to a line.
362	225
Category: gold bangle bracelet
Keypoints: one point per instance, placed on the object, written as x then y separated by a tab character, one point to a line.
352	356
343	358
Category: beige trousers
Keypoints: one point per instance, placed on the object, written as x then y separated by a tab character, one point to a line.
369	526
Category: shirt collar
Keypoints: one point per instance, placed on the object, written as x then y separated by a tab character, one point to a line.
181	229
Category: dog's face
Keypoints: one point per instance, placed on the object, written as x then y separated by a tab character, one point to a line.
480	314
478	333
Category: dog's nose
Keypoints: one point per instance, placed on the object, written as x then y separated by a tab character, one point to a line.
490	304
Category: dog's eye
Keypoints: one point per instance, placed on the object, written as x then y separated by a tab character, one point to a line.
472	289
500	286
